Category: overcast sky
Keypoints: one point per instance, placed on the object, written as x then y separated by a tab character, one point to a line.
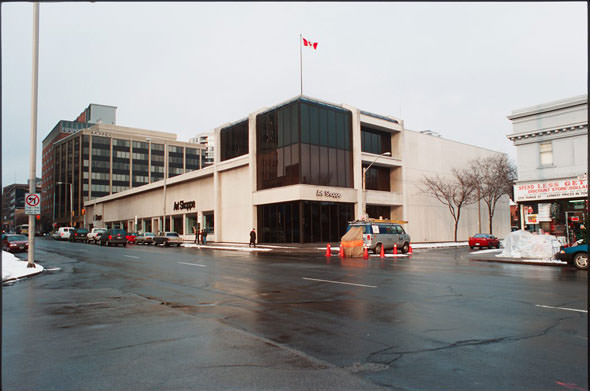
455	68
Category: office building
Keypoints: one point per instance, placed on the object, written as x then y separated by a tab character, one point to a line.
295	172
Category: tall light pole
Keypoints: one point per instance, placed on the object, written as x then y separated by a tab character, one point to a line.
33	145
365	182
71	202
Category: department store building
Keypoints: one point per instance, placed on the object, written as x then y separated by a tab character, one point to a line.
295	173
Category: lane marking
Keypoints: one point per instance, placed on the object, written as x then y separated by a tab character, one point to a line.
339	282
131	256
561	308
192	264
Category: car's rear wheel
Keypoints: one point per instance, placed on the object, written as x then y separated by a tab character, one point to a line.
581	261
378	248
405	248
124	244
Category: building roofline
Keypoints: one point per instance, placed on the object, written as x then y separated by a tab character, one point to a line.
549	106
454	141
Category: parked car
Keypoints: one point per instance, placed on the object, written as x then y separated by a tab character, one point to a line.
131	236
113	237
79	235
377	234
64	233
576	255
167	239
15	243
94	235
145	238
483	240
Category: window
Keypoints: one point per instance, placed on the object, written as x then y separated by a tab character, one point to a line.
546	154
234	140
304	142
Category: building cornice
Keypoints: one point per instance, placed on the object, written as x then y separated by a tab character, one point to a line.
545	132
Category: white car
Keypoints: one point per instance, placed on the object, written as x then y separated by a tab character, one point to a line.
64	233
94	234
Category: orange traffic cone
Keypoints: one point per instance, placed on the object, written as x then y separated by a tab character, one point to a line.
410	252
328	251
395	249
382	255
366	253
341	254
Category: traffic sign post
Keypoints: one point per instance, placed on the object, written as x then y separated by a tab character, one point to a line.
32	203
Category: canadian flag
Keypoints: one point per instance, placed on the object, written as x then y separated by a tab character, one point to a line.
314	45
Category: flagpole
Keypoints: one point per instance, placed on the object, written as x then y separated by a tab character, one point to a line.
300	64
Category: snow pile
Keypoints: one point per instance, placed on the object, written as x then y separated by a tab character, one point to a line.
523	244
13	268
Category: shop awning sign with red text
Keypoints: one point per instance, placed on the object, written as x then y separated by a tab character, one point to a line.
553	189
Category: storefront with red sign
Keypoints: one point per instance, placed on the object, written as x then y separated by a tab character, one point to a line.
557	206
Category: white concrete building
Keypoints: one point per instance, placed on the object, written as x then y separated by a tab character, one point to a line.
295	173
551	142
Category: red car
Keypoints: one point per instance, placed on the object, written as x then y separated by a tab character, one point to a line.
483	240
131	237
15	243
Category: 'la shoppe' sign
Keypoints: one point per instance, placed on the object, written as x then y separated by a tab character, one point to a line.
328	194
560	188
188	205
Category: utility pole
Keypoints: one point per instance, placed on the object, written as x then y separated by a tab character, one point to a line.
33	145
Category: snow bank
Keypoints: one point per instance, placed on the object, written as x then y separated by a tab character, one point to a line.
523	244
13	268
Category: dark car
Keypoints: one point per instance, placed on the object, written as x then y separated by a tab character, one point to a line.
15	243
79	235
145	238
113	237
576	255
483	240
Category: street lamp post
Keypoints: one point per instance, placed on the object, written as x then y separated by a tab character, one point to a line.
364	200
71	201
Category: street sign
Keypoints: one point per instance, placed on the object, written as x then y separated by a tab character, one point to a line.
32	203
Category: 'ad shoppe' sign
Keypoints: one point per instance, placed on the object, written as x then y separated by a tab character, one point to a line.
554	189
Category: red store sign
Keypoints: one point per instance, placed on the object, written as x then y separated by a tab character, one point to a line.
553	189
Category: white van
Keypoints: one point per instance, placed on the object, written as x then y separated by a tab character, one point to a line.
64	233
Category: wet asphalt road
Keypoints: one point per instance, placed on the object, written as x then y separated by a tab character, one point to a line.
145	318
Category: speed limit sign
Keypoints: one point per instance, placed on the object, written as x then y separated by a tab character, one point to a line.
32	203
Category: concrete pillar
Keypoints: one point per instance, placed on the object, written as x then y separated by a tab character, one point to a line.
357	168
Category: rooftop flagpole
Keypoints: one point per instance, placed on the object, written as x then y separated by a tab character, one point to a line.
300	64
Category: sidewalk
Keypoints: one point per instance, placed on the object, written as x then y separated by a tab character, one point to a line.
492	256
13	268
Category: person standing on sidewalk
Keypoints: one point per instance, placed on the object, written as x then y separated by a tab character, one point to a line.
196	234
204	239
252	238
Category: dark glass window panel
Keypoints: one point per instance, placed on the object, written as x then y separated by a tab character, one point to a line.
378	211
305	136
234	140
375	141
377	178
314	152
323	126
305	164
314	125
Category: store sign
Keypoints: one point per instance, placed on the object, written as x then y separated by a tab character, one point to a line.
188	205
574	218
554	189
329	194
531	219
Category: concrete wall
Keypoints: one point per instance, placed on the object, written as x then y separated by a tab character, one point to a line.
236	210
428	219
570	157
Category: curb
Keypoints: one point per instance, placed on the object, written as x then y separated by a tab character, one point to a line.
526	262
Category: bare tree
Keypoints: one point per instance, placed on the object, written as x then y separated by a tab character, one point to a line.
455	192
493	177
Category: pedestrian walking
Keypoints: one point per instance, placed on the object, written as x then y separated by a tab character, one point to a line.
252	238
196	234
